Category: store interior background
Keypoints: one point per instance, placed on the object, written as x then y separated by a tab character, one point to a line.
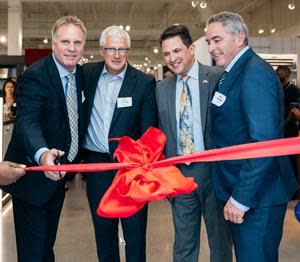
25	26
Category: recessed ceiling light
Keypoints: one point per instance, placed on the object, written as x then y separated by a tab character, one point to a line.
260	31
2	39
203	4
291	6
273	30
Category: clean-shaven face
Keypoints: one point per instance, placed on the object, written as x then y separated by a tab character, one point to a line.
68	45
222	46
177	56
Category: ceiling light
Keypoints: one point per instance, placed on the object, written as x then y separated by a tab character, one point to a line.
203	4
194	3
91	56
205	29
273	30
145	64
2	39
45	41
155	50
158	65
121	27
127	28
146	58
291	6
260	31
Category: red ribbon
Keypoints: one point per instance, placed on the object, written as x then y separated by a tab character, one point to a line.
145	176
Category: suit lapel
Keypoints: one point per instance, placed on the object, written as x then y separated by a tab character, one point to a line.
55	79
171	98
234	72
204	93
126	90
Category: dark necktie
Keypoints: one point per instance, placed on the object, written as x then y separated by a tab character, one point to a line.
73	117
222	78
186	139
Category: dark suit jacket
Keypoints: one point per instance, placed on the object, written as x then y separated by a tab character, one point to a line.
42	121
128	121
252	111
166	96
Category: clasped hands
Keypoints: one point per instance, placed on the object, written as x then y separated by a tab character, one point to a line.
233	214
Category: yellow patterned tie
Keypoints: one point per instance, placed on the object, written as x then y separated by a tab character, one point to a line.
186	138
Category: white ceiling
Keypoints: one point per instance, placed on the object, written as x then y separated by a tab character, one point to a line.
147	18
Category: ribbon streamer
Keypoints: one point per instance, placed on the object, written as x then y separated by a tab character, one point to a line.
144	175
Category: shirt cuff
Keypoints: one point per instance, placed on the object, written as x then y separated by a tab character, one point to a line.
238	205
39	153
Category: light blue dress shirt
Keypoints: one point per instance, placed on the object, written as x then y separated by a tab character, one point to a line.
63	73
193	84
105	101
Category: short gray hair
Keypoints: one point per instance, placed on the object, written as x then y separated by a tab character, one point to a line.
116	31
233	22
67	20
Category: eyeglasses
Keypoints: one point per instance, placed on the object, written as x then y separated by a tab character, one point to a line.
112	50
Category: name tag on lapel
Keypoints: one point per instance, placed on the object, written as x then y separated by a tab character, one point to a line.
218	99
124	102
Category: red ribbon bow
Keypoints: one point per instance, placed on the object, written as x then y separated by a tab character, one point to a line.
132	188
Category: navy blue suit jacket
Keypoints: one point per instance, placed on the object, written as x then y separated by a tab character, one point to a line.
42	121
130	121
252	112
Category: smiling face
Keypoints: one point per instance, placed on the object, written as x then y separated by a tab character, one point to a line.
115	61
178	57
9	88
68	45
222	46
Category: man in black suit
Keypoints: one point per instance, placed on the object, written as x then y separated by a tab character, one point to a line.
120	101
48	125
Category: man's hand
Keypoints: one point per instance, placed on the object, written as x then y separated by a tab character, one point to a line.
47	159
233	214
10	172
296	113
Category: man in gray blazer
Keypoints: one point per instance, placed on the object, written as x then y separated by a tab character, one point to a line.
183	101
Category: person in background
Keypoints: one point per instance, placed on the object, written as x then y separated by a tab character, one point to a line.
183	109
48	130
9	98
119	101
10	172
248	107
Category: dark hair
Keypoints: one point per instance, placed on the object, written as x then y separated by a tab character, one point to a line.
4	92
177	30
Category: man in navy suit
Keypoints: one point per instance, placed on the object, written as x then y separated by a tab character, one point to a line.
44	131
248	107
119	101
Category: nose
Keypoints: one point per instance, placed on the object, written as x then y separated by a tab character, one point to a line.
172	56
117	54
211	47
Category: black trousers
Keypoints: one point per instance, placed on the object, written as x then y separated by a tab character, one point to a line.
106	229
36	227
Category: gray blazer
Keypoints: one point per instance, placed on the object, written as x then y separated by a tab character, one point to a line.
166	96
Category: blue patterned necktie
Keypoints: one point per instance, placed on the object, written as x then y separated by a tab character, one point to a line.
222	78
186	139
73	117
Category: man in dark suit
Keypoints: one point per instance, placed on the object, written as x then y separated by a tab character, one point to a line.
179	54
120	101
248	107
48	125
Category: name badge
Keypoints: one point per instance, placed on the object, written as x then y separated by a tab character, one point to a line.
124	102
218	99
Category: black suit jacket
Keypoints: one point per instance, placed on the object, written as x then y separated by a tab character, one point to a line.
42	121
127	121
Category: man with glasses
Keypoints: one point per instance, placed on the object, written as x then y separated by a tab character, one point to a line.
183	108
120	101
48	126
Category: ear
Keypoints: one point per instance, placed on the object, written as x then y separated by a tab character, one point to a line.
101	51
241	39
192	48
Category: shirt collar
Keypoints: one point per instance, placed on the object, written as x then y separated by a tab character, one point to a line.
193	72
61	70
234	60
121	75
